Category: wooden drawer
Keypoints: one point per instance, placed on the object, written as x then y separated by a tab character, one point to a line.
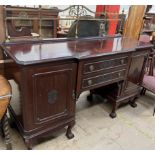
103	78
105	64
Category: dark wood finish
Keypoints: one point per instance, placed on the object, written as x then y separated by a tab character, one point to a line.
52	74
127	90
1	67
102	71
13	32
47	98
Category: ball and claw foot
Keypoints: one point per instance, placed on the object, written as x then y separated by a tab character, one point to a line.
69	133
29	147
28	144
113	115
133	104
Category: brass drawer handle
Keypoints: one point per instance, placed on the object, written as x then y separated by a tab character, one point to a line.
91	67
122	61
89	82
119	74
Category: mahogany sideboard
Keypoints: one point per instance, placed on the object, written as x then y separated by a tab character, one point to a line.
51	74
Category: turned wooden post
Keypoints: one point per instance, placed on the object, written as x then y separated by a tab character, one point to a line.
5	96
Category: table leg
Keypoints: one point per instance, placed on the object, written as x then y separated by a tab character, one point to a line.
69	133
5	127
113	112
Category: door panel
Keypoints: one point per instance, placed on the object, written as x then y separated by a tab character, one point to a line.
49	94
135	71
52	94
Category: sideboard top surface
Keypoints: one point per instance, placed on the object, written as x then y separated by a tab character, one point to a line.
33	52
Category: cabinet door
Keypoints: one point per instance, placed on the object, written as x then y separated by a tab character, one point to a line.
51	97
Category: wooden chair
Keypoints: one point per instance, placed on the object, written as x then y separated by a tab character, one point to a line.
5	96
149	77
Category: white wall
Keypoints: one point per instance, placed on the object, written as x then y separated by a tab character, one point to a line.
152	9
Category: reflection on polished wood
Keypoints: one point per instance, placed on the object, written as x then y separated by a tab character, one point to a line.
51	75
40	51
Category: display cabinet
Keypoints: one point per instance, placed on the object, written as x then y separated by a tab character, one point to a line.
23	21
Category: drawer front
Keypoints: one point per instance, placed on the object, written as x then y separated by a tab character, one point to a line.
103	78
105	64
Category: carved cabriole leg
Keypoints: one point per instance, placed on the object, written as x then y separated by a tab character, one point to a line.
132	103
153	111
5	128
116	103
113	112
90	96
143	91
69	133
28	143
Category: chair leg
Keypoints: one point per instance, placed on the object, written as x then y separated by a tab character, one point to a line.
5	128
143	91
153	111
1	131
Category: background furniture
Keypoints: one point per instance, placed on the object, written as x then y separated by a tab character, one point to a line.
5	95
2	38
51	75
26	23
149	77
22	21
151	21
85	27
134	21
